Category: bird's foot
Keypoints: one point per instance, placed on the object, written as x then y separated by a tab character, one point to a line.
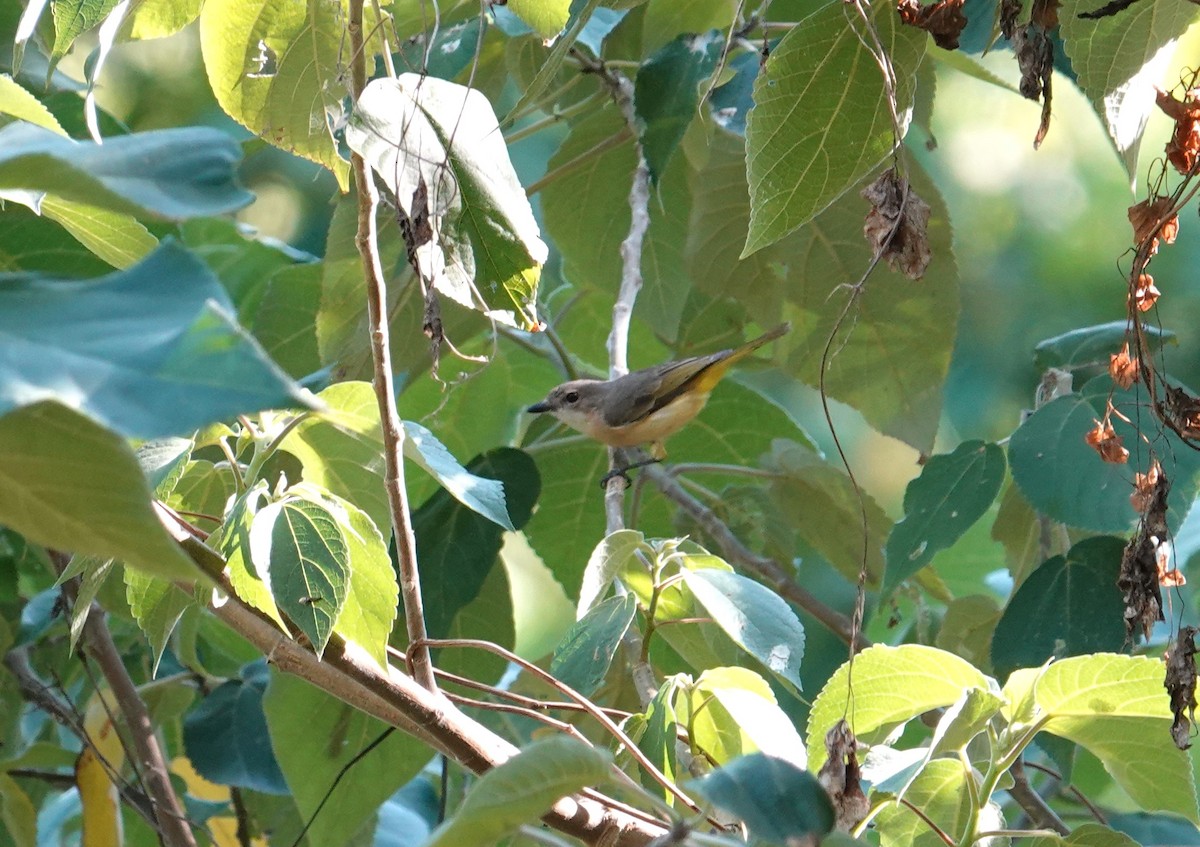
622	472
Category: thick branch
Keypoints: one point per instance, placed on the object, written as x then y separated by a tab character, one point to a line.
767	570
1039	812
347	673
173	827
367	241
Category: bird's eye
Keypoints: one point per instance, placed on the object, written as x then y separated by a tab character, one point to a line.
571	396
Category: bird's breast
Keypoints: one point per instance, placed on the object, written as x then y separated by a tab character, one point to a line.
658	424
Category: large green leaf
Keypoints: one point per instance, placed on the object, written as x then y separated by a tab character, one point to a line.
172	173
69	484
552	63
457	547
279	69
778	801
825	511
72	18
119	239
301	546
144	358
953	491
156	605
314	737
892	685
226	734
521	790
941	794
371	604
754	617
161	18
666	93
1065	479
1090	346
1069	606
16	101
821	120
734	713
1114	706
1119	59
32	242
422	131
582	659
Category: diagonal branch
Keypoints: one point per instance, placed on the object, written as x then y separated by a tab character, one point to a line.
367	242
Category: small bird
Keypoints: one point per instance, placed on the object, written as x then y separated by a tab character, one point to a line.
646	406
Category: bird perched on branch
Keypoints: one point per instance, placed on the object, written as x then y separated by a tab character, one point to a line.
646	406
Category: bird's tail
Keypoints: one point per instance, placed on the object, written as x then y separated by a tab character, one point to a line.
767	337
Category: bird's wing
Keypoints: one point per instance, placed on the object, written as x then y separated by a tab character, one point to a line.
644	392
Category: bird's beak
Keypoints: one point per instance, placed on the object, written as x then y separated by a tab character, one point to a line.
538	408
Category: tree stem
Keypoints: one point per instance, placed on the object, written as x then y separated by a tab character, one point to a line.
367	241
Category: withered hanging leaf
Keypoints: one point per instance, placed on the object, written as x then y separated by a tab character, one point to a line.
1144	294
840	777
1107	10
1105	441
1035	58
897	225
1184	146
1181	685
1123	369
1145	217
431	325
1010	10
943	19
1183	411
1144	485
1044	13
1138	583
415	226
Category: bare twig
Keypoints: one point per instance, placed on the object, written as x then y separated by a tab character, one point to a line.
172	824
1033	804
393	431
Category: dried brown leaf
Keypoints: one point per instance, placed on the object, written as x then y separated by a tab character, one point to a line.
943	19
1180	683
840	777
1123	368
897	225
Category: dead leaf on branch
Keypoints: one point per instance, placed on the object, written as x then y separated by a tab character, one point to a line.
1105	441
943	19
1183	411
1107	10
897	225
840	777
1184	145
1142	571
1145	217
1144	485
1035	58
1123	368
1010	10
1144	294
1181	685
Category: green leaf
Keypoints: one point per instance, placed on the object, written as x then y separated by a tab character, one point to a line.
17	813
483	496
315	737
1065	479
967	628
666	93
825	510
1069	606
664	21
962	721
940	792
161	18
72	18
157	605
119	239
551	65
457	547
171	173
1091	346
778	801
1017	527
607	560
286	319
1119	59
420	130
158	360
226	737
755	618
734	713
1114	706
821	120
232	541
70	484
892	685
371	604
277	69
1088	835
93	575
301	545
582	659
32	242
659	737
521	790
20	104
953	491
545	17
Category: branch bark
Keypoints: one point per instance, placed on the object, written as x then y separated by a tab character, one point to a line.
367	242
172	824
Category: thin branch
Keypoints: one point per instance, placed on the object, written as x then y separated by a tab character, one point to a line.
172	824
1079	795
766	569
367	241
1039	812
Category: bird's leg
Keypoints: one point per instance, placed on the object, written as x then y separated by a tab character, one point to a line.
622	471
